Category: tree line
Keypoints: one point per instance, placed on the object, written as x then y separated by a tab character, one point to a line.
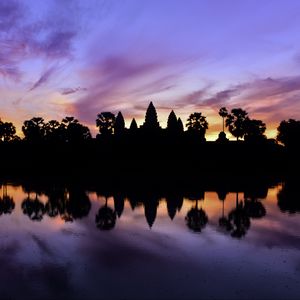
70	130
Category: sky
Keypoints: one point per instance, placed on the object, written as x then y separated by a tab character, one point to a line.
81	57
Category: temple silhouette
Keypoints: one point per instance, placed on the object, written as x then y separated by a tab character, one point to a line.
68	146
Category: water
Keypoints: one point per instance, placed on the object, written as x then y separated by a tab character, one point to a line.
117	255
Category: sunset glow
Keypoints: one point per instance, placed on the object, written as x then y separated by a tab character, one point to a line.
79	58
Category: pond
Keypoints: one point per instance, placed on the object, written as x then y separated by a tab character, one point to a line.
60	241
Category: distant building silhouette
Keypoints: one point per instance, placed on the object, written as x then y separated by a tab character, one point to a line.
174	125
133	126
119	124
151	122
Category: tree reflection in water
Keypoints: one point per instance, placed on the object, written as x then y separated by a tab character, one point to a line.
224	223
56	204
33	208
78	205
288	197
71	201
106	217
239	220
196	218
7	203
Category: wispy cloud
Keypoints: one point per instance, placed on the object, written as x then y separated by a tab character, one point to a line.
25	36
119	75
270	98
68	91
43	78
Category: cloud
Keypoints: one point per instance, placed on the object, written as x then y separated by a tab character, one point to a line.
43	78
10	13
68	91
24	35
117	75
220	98
273	98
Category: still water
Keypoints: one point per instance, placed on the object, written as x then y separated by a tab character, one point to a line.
59	242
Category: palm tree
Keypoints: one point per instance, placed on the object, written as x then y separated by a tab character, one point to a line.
236	122
223	113
197	123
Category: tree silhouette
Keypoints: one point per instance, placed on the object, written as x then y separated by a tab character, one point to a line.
55	131
106	122
288	133
7	203
151	122
239	220
7	131
223	113
78	205
34	209
196	219
254	130
74	131
288	197
197	123
106	217
254	208
223	221
56	204
236	122
34	129
119	124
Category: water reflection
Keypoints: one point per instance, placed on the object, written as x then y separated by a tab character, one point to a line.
106	217
66	237
289	197
33	208
72	201
7	203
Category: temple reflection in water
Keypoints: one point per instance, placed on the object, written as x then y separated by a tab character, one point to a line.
229	210
207	238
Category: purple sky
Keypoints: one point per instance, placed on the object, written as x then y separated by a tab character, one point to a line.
79	58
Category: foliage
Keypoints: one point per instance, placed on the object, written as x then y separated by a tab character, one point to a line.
34	129
254	130
223	113
236	122
106	122
7	131
197	123
74	131
289	133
